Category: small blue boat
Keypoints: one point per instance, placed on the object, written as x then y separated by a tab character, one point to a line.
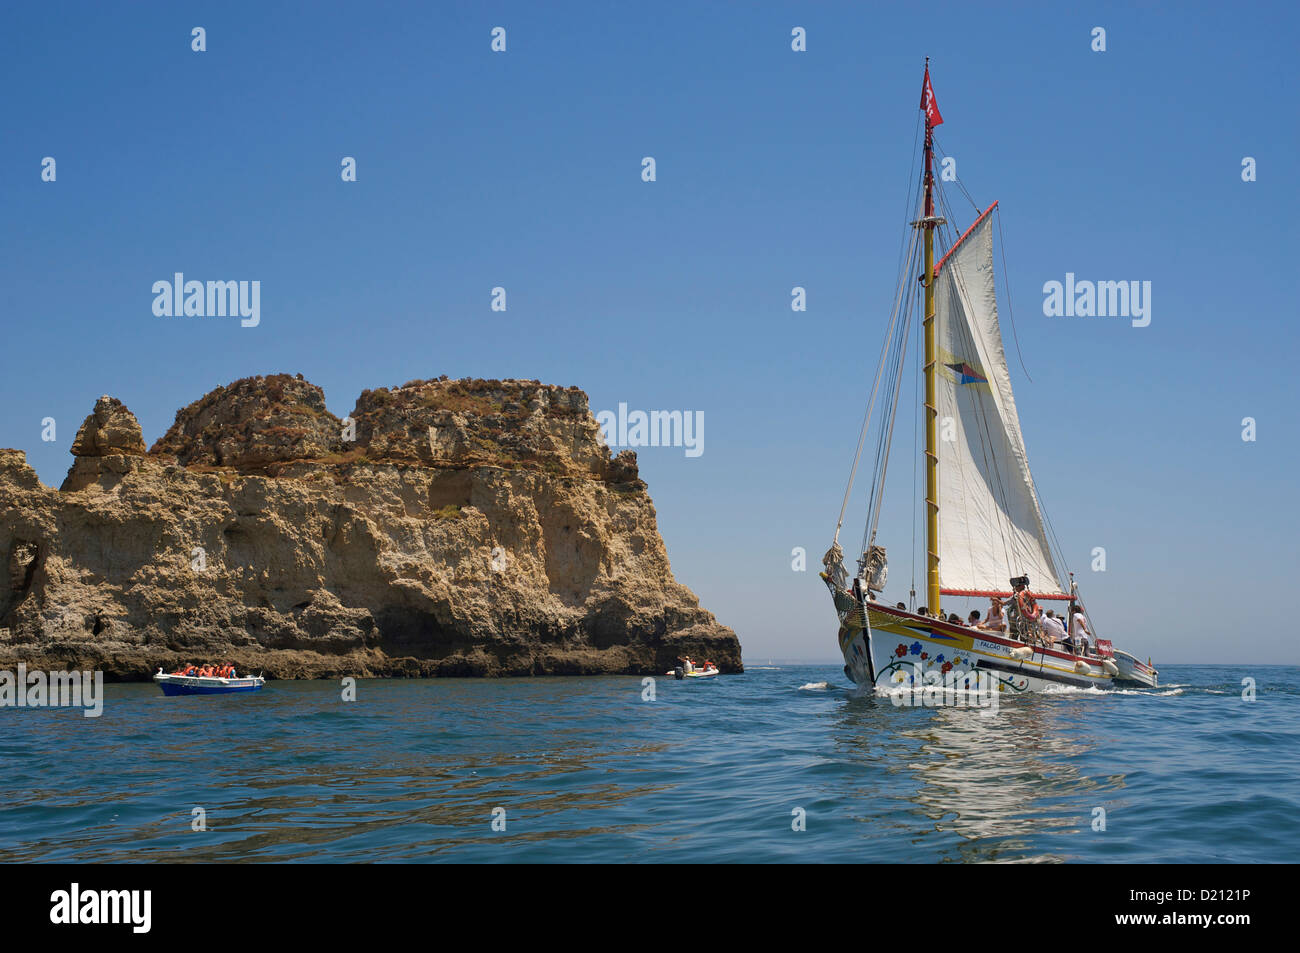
206	685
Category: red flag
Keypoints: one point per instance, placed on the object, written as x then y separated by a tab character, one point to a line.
932	117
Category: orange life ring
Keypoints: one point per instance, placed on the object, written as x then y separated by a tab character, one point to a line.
1028	607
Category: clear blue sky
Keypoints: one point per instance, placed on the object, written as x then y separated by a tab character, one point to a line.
775	169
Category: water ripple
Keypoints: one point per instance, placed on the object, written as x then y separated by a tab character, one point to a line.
781	764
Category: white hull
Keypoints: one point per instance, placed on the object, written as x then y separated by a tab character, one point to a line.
901	646
706	673
1135	672
206	684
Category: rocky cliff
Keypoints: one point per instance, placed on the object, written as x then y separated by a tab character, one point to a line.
445	527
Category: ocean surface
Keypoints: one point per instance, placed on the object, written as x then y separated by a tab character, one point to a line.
586	769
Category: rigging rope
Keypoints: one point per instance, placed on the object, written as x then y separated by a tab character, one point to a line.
1006	285
887	433
881	370
912	201
916	431
955	178
892	376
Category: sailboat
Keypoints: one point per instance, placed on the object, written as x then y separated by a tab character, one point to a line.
986	532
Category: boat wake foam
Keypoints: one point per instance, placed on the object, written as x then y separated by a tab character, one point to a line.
1093	690
963	697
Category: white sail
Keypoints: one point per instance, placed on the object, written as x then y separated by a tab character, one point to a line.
990	521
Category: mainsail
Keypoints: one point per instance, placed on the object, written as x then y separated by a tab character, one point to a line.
990	521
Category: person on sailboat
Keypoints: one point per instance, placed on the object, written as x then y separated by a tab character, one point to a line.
994	621
1079	633
1053	629
974	619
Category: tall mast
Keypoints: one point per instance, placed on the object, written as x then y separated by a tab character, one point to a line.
928	222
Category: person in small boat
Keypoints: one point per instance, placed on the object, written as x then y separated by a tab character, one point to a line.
973	620
994	621
954	618
901	605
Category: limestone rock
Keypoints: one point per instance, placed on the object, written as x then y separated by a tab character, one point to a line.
15	469
508	423
623	468
471	528
253	422
110	429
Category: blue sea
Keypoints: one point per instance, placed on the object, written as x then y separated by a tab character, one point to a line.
781	764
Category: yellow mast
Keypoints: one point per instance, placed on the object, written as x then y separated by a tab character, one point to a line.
931	406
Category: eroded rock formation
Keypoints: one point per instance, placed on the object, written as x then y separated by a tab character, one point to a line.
446	527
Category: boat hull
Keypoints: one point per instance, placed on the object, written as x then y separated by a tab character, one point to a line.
899	646
1134	672
191	685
